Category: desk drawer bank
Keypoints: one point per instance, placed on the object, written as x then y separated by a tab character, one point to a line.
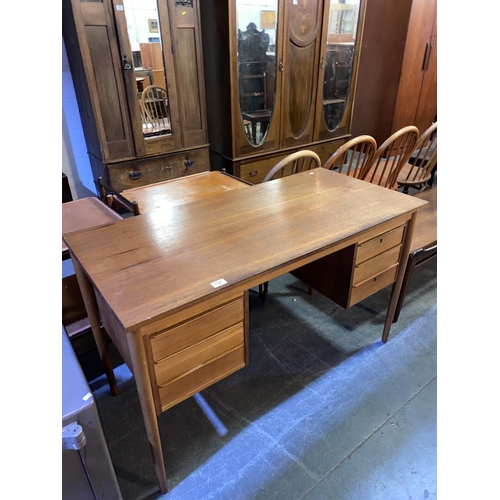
189	350
359	270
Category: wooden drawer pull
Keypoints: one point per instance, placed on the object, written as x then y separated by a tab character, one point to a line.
253	174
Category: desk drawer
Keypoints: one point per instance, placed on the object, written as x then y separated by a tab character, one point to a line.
189	333
197	380
199	354
379	244
372	285
376	265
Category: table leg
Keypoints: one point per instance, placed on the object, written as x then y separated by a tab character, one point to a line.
404	287
146	398
87	291
396	288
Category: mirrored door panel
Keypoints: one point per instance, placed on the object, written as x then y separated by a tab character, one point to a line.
338	62
146	60
256	49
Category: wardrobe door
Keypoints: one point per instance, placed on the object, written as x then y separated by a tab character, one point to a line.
418	51
301	49
342	30
427	102
143	29
255	76
94	57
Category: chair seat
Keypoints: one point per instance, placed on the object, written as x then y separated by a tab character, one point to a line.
403	180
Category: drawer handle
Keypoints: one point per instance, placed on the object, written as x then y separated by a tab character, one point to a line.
253	174
375	279
188	163
134	175
381	240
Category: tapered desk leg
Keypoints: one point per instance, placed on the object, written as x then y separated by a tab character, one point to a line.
143	382
87	291
396	288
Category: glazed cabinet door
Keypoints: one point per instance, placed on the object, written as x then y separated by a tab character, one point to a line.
152	107
299	65
90	38
341	40
254	72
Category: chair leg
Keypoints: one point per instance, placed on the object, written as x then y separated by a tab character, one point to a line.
311	290
263	290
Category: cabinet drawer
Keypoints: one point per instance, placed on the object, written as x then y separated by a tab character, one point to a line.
191	332
197	380
254	171
376	265
372	285
131	174
379	244
199	354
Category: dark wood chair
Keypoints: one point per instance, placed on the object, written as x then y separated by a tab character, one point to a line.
424	242
390	158
115	200
417	172
353	156
294	163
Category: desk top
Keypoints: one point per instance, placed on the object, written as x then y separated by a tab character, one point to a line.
148	266
174	192
83	214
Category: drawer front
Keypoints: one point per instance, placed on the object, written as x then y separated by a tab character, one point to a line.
325	149
199	354
197	380
376	265
184	335
372	285
379	244
131	174
254	171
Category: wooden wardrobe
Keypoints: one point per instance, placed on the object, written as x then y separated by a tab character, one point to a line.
280	76
397	78
115	51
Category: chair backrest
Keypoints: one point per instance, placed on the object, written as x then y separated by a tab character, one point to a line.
390	158
298	162
422	159
353	156
154	108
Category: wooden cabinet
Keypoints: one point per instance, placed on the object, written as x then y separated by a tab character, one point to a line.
397	78
115	51
279	77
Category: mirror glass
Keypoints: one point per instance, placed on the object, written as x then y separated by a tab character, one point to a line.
256	37
146	60
342	24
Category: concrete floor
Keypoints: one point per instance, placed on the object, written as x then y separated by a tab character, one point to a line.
325	410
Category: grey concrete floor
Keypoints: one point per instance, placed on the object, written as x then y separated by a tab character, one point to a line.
325	410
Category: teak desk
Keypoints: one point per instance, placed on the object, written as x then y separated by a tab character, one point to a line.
172	285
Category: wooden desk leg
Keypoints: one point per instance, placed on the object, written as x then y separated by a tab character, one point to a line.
87	291
396	288
143	382
404	287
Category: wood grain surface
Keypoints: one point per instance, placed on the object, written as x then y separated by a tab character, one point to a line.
148	266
